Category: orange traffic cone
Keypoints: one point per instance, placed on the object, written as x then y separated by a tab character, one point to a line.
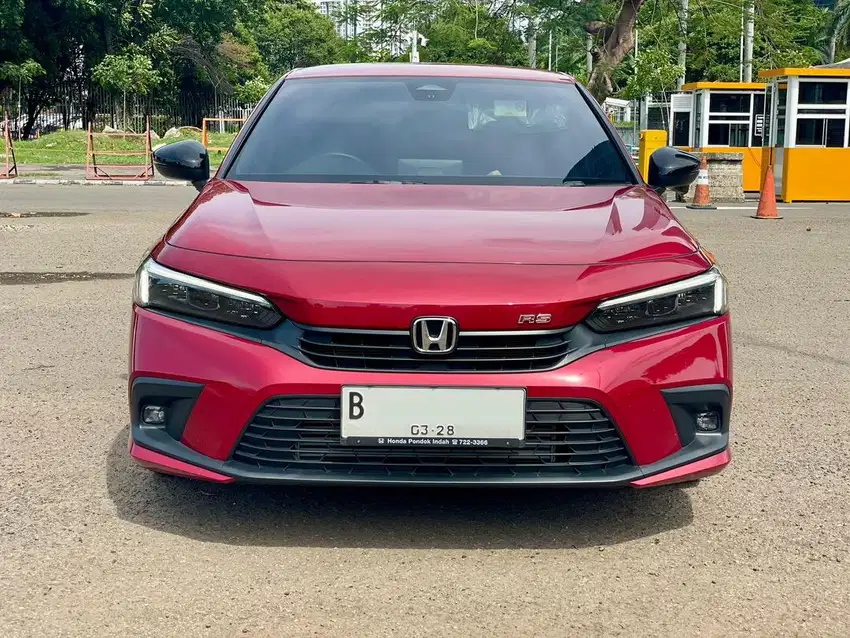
702	197
767	200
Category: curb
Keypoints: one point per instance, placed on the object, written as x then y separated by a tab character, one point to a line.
84	182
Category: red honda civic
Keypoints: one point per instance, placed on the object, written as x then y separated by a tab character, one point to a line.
431	275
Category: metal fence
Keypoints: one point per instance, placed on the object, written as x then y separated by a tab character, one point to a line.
77	106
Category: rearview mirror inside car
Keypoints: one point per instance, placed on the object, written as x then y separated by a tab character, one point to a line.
671	168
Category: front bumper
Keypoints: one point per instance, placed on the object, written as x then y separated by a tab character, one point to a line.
216	382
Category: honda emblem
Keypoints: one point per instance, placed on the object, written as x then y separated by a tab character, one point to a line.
434	335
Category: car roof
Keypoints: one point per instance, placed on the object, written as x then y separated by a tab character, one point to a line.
396	69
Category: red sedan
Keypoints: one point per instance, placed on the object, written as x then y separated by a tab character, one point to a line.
425	274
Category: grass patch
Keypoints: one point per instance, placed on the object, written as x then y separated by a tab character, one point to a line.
69	147
65	147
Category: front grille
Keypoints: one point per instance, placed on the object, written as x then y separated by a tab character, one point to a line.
302	434
392	351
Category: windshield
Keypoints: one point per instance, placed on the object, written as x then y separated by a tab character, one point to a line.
430	130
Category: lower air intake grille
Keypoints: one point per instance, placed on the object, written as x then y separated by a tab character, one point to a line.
302	434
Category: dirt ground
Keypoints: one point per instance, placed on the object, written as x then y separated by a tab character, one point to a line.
92	545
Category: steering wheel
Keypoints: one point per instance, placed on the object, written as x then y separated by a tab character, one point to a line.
347	157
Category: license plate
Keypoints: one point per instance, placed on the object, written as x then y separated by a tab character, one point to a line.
452	417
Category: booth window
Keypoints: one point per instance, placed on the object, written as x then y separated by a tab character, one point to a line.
729	103
729	120
727	134
681	128
821	132
698	120
768	116
822	114
781	95
823	93
759	120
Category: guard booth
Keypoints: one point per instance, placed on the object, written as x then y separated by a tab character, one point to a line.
808	125
722	117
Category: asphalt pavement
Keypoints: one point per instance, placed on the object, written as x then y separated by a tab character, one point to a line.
92	545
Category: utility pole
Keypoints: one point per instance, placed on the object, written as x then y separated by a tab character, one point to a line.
589	54
18	117
550	49
741	49
636	49
414	47
557	50
748	41
683	41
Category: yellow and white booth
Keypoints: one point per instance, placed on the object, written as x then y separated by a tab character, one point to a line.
808	125
722	117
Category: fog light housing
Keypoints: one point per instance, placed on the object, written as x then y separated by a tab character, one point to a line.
708	421
153	415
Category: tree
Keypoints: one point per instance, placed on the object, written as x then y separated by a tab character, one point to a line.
11	21
21	75
787	33
457	31
69	38
464	34
838	28
252	91
237	46
295	35
129	72
618	42
655	72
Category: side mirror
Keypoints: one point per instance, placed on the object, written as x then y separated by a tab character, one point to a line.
671	168
187	160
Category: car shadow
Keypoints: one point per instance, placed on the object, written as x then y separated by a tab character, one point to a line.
391	517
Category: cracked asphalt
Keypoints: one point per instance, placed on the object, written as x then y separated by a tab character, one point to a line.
92	545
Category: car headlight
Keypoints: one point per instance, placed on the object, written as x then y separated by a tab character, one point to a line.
700	296
161	288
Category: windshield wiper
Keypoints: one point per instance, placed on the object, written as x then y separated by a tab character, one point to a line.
385	181
589	181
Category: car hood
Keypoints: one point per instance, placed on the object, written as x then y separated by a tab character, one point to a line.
431	224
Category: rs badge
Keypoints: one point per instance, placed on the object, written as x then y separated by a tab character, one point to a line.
536	319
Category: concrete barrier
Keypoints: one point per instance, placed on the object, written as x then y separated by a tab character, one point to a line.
725	178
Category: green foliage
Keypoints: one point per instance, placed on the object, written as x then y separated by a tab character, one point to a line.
25	72
359	50
239	46
787	33
458	32
11	21
655	72
252	91
295	35
454	35
127	73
